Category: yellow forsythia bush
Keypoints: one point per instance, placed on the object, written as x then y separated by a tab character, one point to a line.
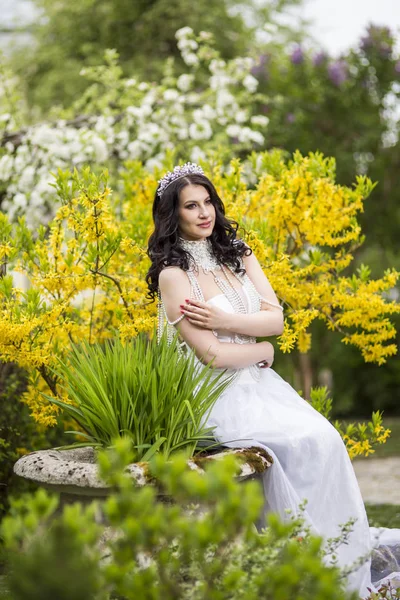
87	268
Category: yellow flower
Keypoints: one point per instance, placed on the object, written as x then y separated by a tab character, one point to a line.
87	275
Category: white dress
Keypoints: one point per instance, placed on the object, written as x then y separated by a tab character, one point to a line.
310	459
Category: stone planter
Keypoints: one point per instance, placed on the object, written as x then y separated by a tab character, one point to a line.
74	473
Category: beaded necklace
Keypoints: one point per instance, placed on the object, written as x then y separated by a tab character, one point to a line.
202	257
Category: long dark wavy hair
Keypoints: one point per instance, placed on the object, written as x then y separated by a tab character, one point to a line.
164	248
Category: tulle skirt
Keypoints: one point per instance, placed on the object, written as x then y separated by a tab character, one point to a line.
310	463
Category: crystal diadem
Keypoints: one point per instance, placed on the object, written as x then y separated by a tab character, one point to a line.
179	171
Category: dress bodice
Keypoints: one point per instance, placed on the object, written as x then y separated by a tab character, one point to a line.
244	299
223	303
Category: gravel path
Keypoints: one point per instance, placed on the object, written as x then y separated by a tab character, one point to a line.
379	479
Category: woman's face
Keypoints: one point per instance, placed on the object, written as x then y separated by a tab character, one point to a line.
196	213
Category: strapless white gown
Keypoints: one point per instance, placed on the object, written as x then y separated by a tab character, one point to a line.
310	460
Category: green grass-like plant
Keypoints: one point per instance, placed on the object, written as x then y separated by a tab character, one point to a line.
147	391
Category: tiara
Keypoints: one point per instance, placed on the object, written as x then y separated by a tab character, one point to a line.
179	171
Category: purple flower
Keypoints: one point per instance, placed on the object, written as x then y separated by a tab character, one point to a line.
365	43
290	118
337	72
260	68
319	59
385	50
297	56
397	67
378	38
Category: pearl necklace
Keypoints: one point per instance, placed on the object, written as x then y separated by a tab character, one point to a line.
202	256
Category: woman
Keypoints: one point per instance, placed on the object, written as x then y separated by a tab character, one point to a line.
212	289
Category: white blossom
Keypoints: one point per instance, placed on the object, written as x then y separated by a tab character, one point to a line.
183	32
243	63
43	135
250	83
224	99
35	199
233	130
122	137
191	59
241	116
205	112
43	186
140	112
100	149
187	44
183	133
220	81
26	179
197	154
149	133
20	200
130	82
104	125
260	120
135	149
249	135
155	162
171	95
217	65
6	166
185	81
192	98
187	113
201	130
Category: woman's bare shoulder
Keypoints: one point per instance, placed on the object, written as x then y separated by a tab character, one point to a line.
171	275
173	284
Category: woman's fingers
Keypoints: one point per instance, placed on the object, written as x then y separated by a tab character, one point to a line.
203	315
197	312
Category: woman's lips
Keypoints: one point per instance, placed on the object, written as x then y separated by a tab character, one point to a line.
205	225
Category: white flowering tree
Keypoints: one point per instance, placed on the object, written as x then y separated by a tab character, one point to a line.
119	119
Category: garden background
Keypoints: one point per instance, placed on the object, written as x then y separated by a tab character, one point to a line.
133	87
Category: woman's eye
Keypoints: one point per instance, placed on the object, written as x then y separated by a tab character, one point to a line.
191	205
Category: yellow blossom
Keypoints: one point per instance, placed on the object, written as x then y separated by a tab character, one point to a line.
87	274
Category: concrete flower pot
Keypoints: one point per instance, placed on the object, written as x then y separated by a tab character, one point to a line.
74	473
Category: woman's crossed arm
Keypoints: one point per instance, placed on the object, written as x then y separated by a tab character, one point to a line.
175	288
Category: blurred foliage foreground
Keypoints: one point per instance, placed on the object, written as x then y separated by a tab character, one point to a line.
205	547
86	270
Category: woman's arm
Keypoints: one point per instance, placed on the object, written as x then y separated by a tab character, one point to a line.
175	287
267	322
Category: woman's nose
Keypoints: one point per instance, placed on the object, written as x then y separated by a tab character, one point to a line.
204	212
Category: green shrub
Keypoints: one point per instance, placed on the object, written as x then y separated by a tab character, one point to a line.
162	550
19	433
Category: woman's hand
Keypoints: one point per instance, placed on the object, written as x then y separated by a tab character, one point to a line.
204	315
